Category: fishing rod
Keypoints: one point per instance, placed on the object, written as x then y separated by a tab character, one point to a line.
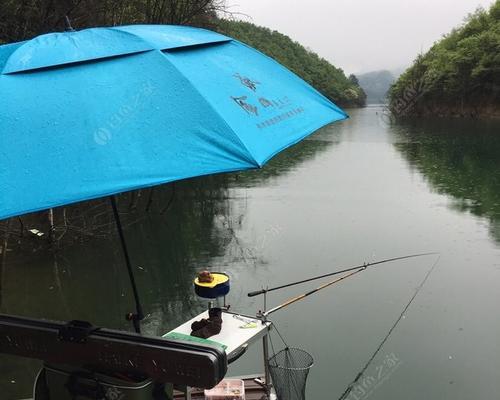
303	296
363	267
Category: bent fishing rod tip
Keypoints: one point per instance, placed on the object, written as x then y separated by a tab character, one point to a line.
363	267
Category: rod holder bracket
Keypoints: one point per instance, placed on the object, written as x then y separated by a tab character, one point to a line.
135	319
76	331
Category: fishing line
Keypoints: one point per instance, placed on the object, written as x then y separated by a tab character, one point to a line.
279	334
271	340
363	370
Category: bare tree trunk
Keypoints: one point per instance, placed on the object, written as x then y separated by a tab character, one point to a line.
21	227
51	225
150	199
4	259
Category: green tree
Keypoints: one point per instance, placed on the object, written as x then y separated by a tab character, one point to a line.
329	80
459	75
353	79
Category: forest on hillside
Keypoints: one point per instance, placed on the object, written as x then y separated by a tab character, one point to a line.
321	74
21	20
458	76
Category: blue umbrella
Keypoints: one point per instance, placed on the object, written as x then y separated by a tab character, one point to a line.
101	111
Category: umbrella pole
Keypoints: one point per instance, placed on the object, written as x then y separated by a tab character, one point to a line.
138	316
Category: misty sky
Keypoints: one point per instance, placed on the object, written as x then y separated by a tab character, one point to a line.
361	35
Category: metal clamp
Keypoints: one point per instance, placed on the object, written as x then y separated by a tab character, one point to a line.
76	331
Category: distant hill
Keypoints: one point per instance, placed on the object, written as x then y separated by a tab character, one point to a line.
458	76
325	77
376	84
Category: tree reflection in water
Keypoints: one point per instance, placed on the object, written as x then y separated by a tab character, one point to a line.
460	159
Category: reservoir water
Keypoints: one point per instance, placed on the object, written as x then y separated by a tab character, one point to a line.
357	191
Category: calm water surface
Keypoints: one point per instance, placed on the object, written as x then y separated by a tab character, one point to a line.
357	191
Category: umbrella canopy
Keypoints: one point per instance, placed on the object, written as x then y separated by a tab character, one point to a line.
102	111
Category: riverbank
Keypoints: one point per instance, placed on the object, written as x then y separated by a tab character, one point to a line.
490	111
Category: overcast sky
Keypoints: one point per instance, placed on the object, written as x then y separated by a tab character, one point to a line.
361	35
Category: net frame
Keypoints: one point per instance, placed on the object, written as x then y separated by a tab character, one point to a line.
289	369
